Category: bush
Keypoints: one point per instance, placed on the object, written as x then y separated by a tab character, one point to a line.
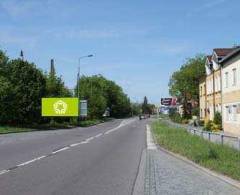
211	126
195	111
208	126
201	123
218	120
185	121
176	117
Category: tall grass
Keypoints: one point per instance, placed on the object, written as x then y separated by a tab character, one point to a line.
222	159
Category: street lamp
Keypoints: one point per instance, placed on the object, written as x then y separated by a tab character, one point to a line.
78	75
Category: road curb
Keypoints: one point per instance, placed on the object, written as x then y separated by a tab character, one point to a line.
224	178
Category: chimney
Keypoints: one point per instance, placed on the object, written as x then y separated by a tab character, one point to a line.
52	68
52	62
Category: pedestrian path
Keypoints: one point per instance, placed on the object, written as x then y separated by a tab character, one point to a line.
167	174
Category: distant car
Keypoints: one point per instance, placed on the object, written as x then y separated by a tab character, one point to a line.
144	116
141	116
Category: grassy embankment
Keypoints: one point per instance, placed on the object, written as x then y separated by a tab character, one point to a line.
222	159
37	127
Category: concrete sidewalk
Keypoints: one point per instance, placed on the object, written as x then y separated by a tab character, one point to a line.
163	173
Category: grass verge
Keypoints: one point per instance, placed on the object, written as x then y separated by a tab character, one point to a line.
9	129
50	126
222	159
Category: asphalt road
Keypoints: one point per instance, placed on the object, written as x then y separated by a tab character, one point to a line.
98	160
112	158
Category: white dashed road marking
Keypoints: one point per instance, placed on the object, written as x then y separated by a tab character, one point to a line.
30	161
62	149
76	144
123	123
3	171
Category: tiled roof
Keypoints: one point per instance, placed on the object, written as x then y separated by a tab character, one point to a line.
236	51
223	51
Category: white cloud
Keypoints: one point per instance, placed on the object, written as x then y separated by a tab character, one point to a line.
7	37
206	6
163	46
211	4
17	8
82	33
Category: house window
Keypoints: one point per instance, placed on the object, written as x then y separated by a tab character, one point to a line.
216	83
226	79
234	72
227	113
201	91
234	112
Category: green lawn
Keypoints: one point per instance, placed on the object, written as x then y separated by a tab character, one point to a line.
53	126
8	129
222	159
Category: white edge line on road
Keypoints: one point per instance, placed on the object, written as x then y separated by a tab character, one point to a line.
89	139
4	171
150	143
84	142
62	149
98	135
123	123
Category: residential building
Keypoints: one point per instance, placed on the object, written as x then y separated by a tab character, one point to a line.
202	98
231	92
210	102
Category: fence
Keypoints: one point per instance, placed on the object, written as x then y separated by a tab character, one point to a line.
219	138
231	141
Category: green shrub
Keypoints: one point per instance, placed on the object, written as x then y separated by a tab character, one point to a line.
208	126
218	119
175	116
184	121
195	111
201	123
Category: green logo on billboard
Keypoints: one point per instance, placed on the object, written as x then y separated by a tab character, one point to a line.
59	106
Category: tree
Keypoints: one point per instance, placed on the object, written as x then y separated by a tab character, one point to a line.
145	105
102	94
24	87
184	83
136	108
54	85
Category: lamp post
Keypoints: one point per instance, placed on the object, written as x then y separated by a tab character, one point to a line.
78	75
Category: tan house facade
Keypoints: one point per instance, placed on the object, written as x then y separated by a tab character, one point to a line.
231	93
210	87
202	99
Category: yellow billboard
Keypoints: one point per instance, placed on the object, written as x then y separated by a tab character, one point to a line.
60	106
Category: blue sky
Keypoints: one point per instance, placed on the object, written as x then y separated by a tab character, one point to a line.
136	43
